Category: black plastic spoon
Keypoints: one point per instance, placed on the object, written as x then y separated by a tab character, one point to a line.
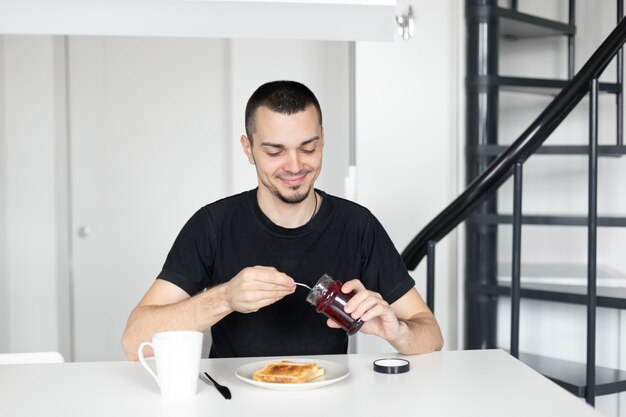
222	389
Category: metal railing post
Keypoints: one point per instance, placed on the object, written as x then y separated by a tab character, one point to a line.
430	276
571	40
516	259
619	97
481	129
591	243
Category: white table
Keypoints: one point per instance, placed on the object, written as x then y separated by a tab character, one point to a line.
454	383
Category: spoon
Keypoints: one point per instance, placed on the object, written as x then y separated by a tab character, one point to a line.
221	388
303	285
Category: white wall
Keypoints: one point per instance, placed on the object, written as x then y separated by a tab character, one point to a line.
62	194
4	279
30	194
323	67
558	185
407	141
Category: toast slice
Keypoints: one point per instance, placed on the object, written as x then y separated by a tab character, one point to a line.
288	372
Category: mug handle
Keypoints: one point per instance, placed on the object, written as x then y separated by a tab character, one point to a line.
143	360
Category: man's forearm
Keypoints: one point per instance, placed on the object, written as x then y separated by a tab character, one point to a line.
196	313
420	334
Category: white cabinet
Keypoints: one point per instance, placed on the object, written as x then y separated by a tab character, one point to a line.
341	20
148	147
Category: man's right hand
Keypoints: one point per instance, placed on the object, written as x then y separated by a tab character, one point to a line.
256	287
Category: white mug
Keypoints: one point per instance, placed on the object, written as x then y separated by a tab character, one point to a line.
177	355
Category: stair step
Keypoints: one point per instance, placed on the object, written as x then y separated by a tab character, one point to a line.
571	375
547	220
517	25
564	282
547	86
603	150
563	275
606	297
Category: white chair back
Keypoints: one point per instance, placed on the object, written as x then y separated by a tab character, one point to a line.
30	357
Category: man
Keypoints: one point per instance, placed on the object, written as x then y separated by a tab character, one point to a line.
234	265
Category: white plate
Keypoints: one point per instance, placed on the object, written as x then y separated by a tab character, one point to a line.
335	372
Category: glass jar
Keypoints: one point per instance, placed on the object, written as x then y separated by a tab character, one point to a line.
328	299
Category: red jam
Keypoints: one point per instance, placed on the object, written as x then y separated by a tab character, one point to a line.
328	299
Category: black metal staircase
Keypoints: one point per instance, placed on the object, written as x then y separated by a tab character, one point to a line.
490	164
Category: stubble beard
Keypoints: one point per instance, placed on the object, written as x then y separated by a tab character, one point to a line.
295	198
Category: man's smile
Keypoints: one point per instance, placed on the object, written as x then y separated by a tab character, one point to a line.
293	180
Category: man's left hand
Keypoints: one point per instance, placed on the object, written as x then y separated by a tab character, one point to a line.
369	306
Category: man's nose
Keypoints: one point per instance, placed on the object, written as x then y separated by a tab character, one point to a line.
293	163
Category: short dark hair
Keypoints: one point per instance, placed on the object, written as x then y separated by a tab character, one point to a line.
286	97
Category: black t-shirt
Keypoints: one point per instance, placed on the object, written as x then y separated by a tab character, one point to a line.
343	240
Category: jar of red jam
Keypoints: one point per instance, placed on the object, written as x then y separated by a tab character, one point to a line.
328	299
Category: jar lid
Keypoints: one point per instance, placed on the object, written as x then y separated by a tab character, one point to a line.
392	366
319	289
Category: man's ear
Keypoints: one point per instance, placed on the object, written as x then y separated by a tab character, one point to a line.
247	148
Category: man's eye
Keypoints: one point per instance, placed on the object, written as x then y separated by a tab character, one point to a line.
273	154
308	150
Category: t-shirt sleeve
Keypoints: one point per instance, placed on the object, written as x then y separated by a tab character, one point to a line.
189	264
383	270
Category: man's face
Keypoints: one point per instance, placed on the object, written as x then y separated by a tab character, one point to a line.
287	152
